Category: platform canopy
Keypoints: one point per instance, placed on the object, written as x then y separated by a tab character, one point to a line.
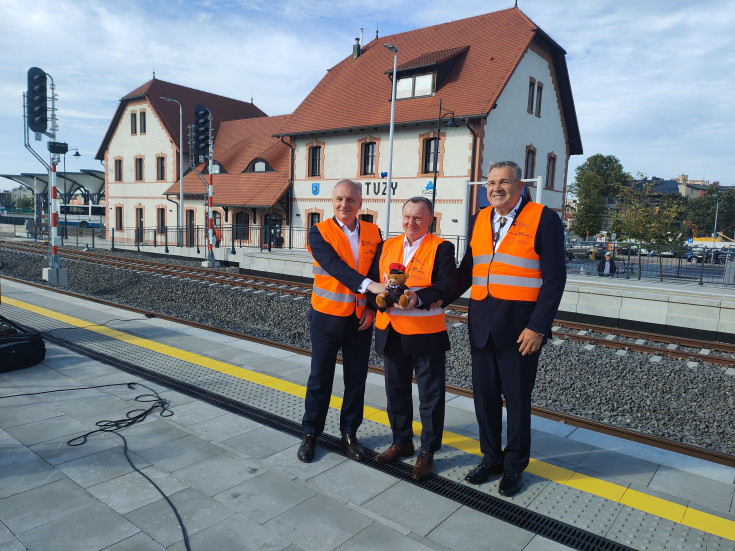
90	183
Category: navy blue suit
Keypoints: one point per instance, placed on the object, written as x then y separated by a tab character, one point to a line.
329	334
498	368
423	354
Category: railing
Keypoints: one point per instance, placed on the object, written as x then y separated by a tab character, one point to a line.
632	261
232	237
662	262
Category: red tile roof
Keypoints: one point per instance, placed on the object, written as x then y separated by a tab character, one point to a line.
222	108
237	144
356	93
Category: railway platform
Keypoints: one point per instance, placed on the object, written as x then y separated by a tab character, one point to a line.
226	459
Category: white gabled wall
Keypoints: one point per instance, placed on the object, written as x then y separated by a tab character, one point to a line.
510	128
132	194
342	159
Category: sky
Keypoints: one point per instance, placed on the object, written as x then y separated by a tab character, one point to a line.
651	80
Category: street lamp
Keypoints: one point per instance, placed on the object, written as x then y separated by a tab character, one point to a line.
714	231
179	233
66	199
393	49
451	123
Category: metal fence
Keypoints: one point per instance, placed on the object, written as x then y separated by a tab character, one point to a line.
662	262
632	261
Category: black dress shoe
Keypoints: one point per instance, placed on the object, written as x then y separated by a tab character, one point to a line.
482	472
354	450
510	483
306	449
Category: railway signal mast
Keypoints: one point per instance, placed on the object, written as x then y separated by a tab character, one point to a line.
35	113
202	135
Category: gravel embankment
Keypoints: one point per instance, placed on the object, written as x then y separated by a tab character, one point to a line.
694	405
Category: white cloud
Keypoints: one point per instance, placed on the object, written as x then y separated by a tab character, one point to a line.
651	80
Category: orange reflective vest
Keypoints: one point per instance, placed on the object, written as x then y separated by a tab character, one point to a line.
419	269
513	271
328	295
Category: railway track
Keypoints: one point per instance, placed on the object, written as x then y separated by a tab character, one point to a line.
721	354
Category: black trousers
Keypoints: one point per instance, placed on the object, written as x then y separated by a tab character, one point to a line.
497	372
430	378
355	347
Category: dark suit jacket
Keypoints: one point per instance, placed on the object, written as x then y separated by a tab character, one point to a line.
506	319
601	267
330	261
442	276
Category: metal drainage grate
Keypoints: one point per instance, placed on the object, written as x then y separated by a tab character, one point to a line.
555	530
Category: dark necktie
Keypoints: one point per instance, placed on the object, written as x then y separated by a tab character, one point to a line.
496	235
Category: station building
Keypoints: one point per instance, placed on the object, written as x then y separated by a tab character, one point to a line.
140	152
468	93
498	77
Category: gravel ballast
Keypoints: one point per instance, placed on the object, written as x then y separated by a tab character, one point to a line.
660	396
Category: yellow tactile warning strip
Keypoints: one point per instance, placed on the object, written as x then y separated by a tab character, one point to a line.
674	512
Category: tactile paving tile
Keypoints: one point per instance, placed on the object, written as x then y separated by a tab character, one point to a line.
589	512
716	543
645	531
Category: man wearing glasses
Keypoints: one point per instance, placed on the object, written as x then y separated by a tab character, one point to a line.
516	270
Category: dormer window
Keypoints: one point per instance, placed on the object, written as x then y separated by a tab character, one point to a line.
424	75
415	86
259	165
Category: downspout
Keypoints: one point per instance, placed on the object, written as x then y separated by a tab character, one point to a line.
168	198
291	194
472	194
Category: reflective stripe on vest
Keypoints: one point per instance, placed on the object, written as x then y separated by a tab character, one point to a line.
328	295
513	272
415	321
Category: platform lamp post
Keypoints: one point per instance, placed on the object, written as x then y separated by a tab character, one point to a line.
393	49
714	230
66	199
451	123
180	232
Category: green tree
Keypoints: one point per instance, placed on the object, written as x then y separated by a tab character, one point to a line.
24	203
649	217
591	205
596	184
700	213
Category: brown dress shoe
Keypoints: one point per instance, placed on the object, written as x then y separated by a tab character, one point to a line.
422	468
393	453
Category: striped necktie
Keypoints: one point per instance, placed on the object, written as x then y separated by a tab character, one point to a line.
496	235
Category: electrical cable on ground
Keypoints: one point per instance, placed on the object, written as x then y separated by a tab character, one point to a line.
132	417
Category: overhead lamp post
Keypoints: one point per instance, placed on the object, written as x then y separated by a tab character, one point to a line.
451	123
66	199
179	233
714	230
393	49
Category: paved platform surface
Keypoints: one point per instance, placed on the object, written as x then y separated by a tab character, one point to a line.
237	484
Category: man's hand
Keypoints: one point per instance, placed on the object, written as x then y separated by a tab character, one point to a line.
375	288
529	342
366	320
412	300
